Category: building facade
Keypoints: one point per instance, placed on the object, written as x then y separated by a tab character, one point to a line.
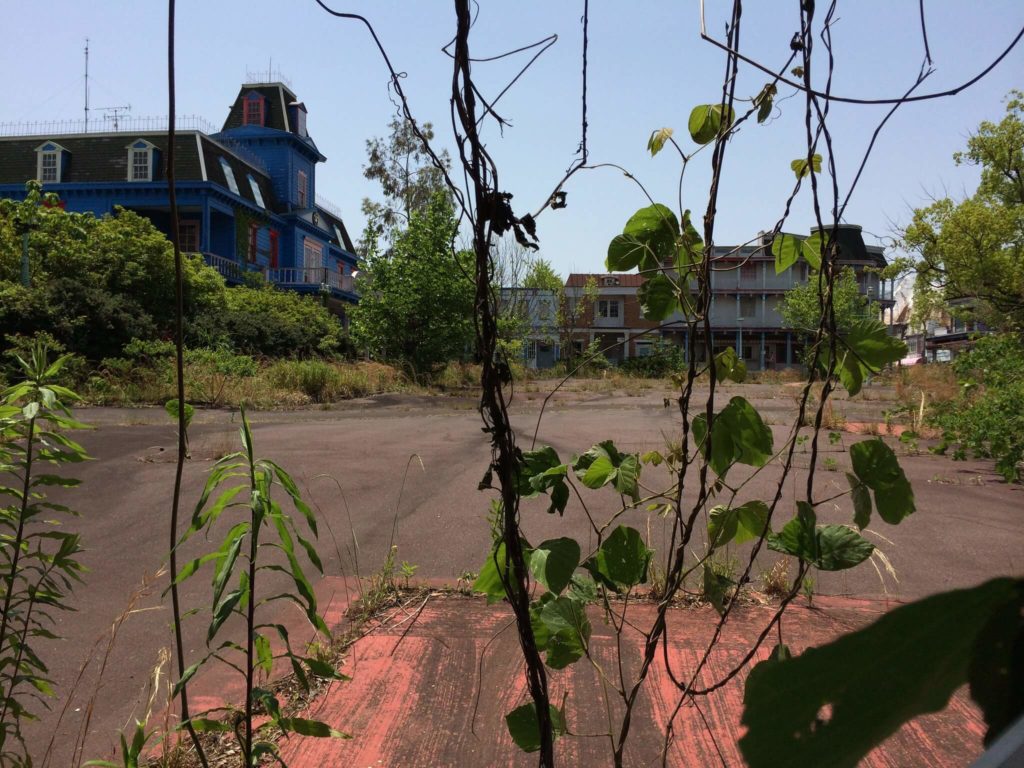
246	193
746	298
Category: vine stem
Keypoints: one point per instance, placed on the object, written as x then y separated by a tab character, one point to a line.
179	355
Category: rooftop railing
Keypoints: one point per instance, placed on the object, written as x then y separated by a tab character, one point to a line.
105	125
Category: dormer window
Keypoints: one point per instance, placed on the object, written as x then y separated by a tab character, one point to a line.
140	161
229	175
257	195
298	112
253	111
49	163
611	281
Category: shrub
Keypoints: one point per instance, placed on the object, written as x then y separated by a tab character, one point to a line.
273	323
665	359
316	379
986	419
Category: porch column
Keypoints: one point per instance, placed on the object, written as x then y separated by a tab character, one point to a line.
762	351
739	343
204	232
789	348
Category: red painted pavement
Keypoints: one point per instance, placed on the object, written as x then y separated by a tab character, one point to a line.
412	702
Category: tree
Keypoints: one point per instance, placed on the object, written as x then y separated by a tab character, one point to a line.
801	309
408	179
541	275
573	308
974	250
416	303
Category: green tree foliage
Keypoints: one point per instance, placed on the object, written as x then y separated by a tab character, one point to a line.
987	420
541	275
96	283
974	249
801	307
267	321
417	296
408	179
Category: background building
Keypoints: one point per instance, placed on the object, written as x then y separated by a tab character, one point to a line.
746	296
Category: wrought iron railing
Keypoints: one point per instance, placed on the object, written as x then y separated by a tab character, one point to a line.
105	125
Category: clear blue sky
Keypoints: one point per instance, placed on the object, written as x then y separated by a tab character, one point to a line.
648	68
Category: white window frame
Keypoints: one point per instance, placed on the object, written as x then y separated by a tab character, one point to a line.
312	251
608	309
229	175
140	148
256	192
186	224
302	189
47	151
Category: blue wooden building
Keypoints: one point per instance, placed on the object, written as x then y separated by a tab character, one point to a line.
246	193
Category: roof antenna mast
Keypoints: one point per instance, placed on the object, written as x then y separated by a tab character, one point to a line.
86	85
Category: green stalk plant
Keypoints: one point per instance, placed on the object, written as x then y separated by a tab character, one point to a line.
241	559
38	565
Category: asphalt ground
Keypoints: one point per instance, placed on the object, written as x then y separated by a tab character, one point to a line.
404	470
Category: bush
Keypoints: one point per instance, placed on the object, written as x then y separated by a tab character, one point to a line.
316	379
986	419
665	359
273	323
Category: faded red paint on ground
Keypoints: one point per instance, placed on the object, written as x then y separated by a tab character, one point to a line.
415	697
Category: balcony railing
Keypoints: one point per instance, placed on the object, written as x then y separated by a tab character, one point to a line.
321	276
230	270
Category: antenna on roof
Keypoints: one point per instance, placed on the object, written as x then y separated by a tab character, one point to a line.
86	85
115	113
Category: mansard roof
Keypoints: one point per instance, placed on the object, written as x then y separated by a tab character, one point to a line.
277	97
103	158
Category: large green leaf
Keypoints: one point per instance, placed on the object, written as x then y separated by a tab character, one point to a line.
828	548
658	298
877	467
741	524
840	547
525	729
622	559
656	229
553	561
567	629
729	366
304	727
832	705
541	471
866	348
603	464
706	122
716	587
627	252
786	250
490	579
738	434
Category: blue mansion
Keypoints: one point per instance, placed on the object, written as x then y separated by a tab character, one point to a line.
246	193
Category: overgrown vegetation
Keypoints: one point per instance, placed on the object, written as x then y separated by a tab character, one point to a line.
986	420
38	560
97	284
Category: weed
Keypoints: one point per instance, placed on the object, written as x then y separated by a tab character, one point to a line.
408	571
807	587
775	581
830	464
